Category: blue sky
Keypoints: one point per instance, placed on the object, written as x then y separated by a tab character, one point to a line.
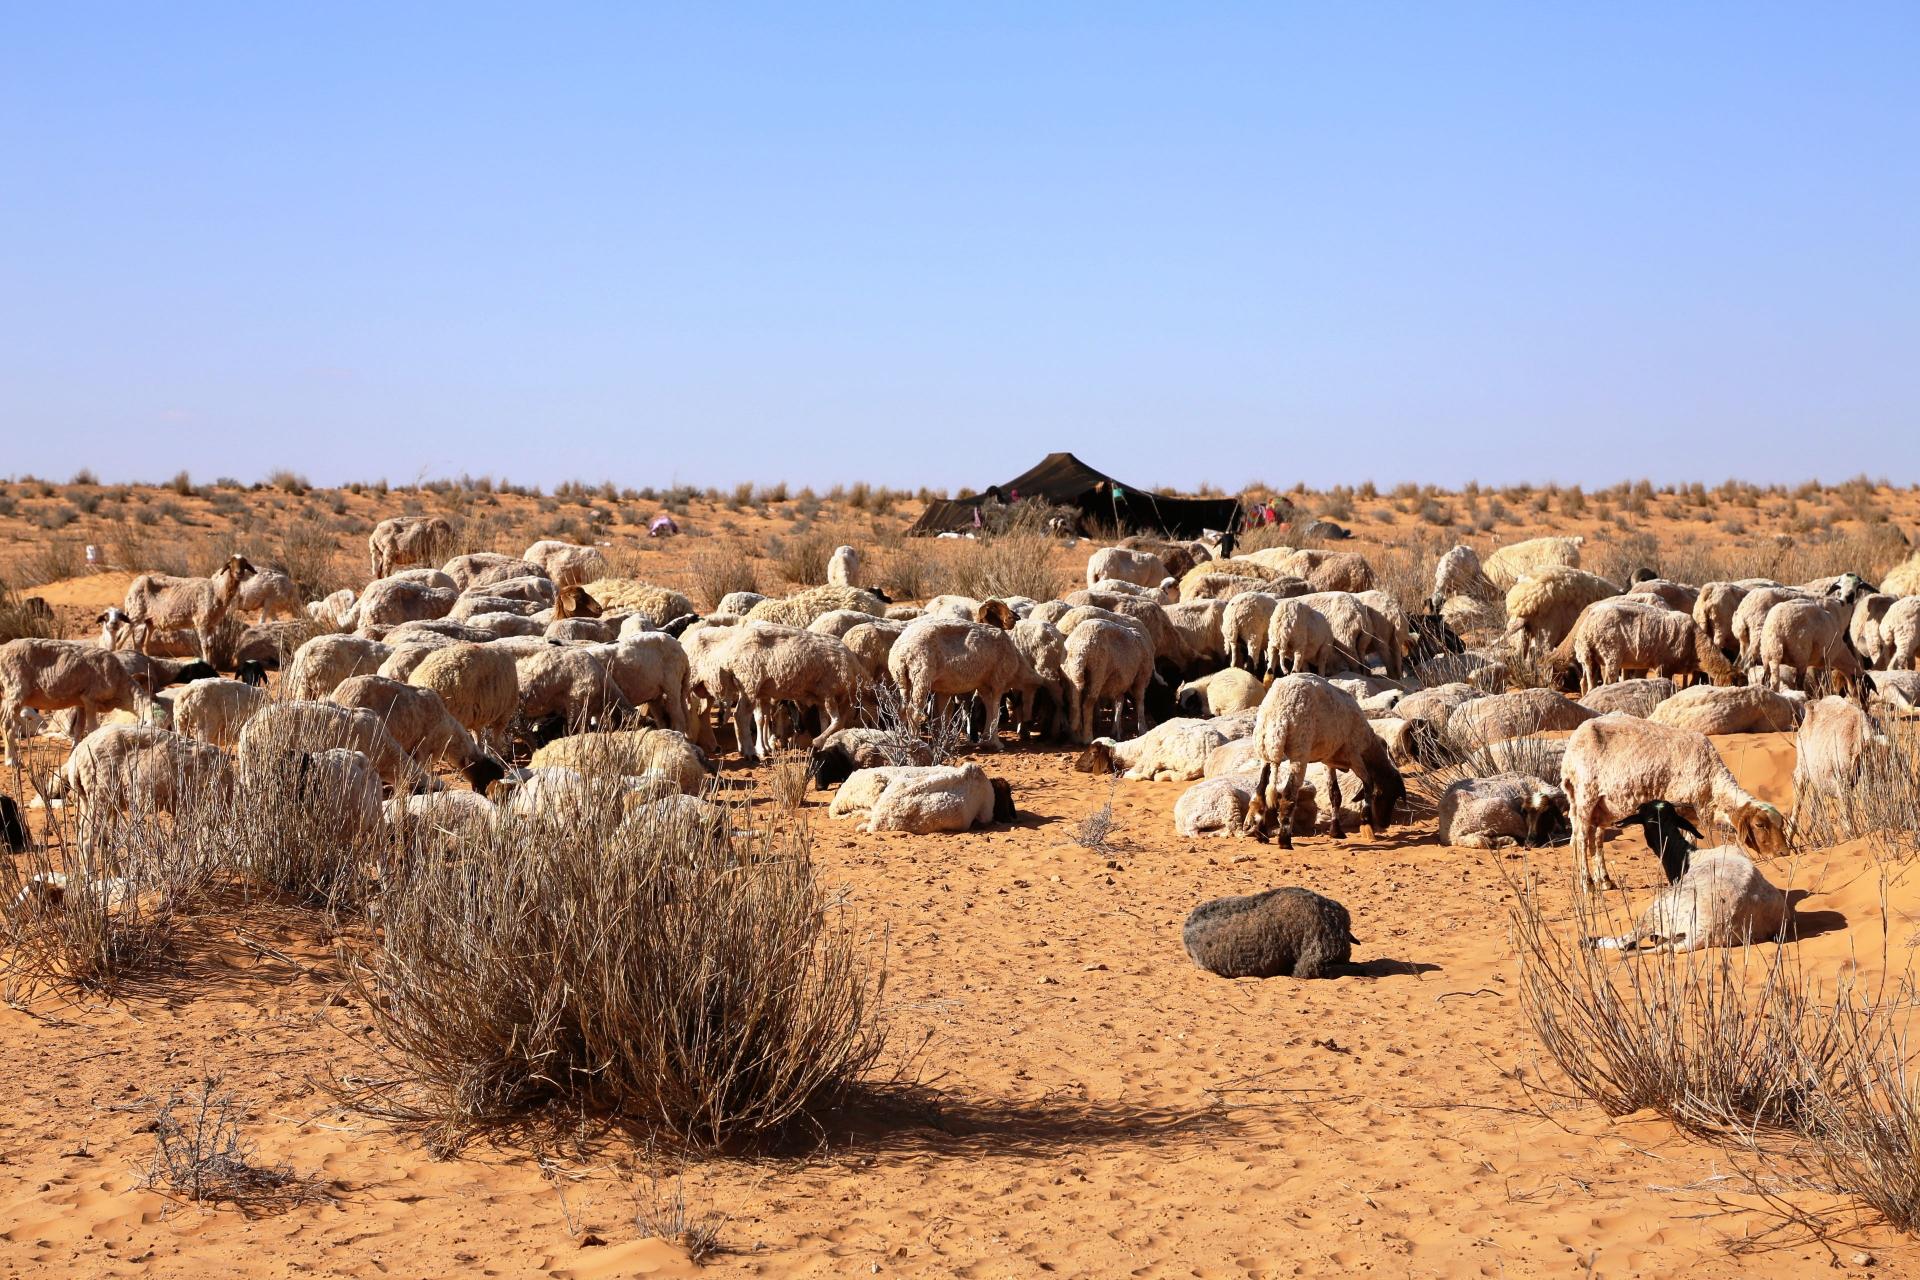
924	244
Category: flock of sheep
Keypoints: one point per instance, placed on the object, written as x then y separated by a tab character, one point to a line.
1283	685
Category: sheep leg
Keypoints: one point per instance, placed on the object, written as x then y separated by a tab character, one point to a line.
992	698
1141	720
743	730
10	728
1286	787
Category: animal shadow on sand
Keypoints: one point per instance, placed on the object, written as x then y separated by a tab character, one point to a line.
1381	968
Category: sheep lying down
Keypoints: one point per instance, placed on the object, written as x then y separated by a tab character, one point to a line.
1722	901
1289	931
922	800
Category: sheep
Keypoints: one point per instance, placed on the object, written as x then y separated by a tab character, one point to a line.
1045	650
324	661
1177	556
52	675
1500	812
1175	751
1519	714
421	724
1674	595
1714	709
903	612
1509	564
1897	688
1375	694
1542	608
1616	763
1800	637
843	567
333	610
581	631
138	769
838	622
1864	629
651	670
939	657
281	731
1635	697
391	601
1220	693
659	605
1214	806
482	567
1287	931
1327	570
1904	578
1722	901
1304	720
1458	573
1617	636
802	607
1106	660
1244	629
1217	586
1167	592
1407	741
479	685
399	541
1359	631
460	814
1749	620
271	593
567	563
1141	568
535	590
764	665
1237	758
1715	607
939	799
482	610
870	643
1299	638
157	602
214	711
1200	624
863	787
568	688
1835	743
1900	632
738	602
839	756
965	608
1436	705
631	753
1169	644
559	795
434	631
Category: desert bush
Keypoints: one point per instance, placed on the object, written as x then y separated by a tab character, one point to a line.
802	559
689	978
51	560
201	1155
714	575
1015	564
909	569
17	621
1880	802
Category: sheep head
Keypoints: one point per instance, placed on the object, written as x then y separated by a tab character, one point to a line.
1388	790
1003	810
1761	828
1097	758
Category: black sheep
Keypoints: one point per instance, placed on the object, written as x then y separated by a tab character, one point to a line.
1282	931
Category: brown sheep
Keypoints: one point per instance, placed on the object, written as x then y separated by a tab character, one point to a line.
1287	931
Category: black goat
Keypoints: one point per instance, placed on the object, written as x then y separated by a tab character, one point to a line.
1668	834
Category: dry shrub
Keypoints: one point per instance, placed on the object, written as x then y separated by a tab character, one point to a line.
52	560
1879	802
1448	761
691	979
1016	564
910	570
300	842
715	575
802	560
943	735
201	1156
788	779
17	621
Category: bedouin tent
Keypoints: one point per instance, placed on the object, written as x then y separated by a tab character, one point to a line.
1064	481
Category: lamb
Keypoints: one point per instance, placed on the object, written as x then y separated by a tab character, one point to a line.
52	675
1215	806
567	563
1304	720
214	711
1800	637
631	753
1542	608
763	665
1635	697
1458	573
420	723
391	601
1615	764
1520	714
1714	709
1835	744
1175	751
1244	629
157	602
323	662
941	798
839	756
122	769
1141	568
939	657
1287	931
1221	693
271	593
1300	639
283	731
1500	812
802	607
1722	901
843	568
568	688
1900	632
1509	564
399	541
1106	660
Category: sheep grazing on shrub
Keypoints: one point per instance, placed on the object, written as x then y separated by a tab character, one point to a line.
1286	931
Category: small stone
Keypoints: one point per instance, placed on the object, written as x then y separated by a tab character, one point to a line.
1863	1260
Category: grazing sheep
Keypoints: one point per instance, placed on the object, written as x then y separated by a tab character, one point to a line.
1204	585
1044	709
1722	901
282	730
1221	693
1750	617
1836	742
582	631
1200	624
1141	568
461	814
323	662
1864	629
1169	643
1244	629
1175	751
485	610
568	690
1499	812
1458	573
1615	764
1106	660
651	671
1304	720
1214	806
659	605
1542	608
399	541
943	658
121	769
1360	631
533	589
1715	607
802	607
1800	637
157	602
1179	557
870	643
1408	741
567	563
1900	632
631	753
763	665
1509	564
1327	570
487	566
392	601
1716	709
1520	714
1288	931
843	567
270	593
52	675
1436	705
939	799
838	622
1635	697
1299	639
1618	636
420	723
214	711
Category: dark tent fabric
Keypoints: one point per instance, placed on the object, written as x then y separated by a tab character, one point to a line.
1064	481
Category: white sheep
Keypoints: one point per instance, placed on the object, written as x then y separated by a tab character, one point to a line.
1303	721
420	723
843	567
1543	607
53	675
388	602
214	711
1215	806
631	753
651	671
1615	764
122	769
939	798
1900	630
1718	709
1722	901
490	566
1142	568
1864	631
478	684
763	665
1835	745
1519	714
1749	620
1800	637
1107	660
157	602
572	686
270	593
332	611
321	663
943	658
802	607
1509	564
1220	693
281	731
1244	628
1172	751
1458	573
567	563
1300	639
1618	636
399	541
1499	812
1635	697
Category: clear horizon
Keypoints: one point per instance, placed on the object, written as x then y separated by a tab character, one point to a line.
924	248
